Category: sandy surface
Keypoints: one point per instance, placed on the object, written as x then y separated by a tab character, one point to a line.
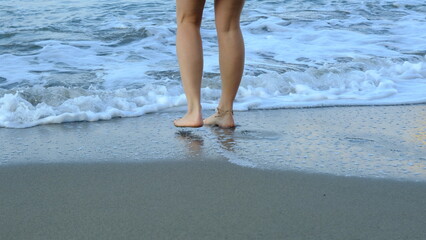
202	200
380	142
141	178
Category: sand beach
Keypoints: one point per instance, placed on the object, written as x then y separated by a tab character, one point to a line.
141	178
331	114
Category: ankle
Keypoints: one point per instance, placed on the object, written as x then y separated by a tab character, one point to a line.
222	112
194	109
225	107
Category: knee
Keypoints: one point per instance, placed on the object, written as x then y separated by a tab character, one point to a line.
187	18
224	27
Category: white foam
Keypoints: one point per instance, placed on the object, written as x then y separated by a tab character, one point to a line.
17	112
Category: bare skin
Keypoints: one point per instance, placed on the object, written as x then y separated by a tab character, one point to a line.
190	56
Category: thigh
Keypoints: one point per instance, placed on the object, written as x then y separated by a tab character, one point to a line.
189	10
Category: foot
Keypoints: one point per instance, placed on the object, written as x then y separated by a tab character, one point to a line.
222	118
189	120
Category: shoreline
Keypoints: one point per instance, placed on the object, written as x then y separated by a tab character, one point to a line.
378	142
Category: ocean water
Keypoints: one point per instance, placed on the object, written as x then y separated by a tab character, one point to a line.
64	61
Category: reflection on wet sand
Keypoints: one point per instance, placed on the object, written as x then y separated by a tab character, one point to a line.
193	141
225	137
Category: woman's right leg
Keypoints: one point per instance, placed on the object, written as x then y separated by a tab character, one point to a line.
190	56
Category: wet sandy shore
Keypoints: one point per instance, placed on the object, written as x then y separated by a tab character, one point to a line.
281	174
378	142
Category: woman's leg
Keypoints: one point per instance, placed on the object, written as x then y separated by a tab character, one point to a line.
231	58
190	56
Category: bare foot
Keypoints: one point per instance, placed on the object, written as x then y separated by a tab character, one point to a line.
221	118
189	120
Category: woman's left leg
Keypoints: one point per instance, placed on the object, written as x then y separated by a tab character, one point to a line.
231	59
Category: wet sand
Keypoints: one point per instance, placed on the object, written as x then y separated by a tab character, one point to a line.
125	179
378	142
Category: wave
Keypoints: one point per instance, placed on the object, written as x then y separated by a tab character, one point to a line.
385	84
